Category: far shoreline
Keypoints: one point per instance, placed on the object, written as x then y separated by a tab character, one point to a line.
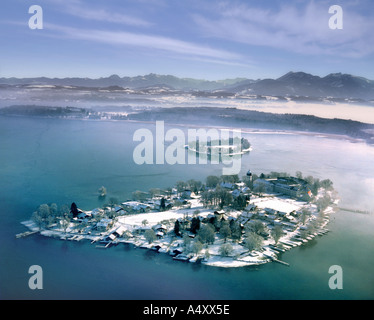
150	116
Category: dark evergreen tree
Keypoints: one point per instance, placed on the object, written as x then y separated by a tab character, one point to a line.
177	228
240	202
195	225
162	204
74	209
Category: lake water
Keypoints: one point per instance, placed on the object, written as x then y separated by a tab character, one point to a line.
61	161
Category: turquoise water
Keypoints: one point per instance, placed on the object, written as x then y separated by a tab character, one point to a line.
61	161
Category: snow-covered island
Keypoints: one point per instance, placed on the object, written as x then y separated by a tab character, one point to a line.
224	222
228	147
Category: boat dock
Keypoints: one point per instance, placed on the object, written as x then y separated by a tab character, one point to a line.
95	240
76	238
323	232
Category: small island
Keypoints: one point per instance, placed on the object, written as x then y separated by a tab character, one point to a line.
224	222
228	147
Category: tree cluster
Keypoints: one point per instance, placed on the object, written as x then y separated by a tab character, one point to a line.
218	197
45	215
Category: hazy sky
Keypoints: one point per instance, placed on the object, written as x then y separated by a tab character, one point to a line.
208	39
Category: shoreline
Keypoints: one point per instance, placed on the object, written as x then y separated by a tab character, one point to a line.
323	135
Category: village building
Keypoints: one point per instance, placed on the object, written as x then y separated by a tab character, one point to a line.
227	185
135	206
290	186
119	210
119	232
96	212
141	229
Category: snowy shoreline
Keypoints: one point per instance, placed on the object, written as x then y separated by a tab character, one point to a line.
129	229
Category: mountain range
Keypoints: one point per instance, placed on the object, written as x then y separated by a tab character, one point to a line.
334	85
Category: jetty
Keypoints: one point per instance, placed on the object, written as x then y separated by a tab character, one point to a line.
281	262
355	210
25	234
275	259
100	247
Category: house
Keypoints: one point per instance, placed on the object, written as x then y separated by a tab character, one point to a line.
136	206
227	185
242	187
104	224
83	215
160	230
250	207
120	231
270	211
240	184
186	194
247	215
180	199
219	213
160	234
245	189
119	210
160	227
262	215
236	193
111	237
141	229
265	184
156	204
290	186
97	211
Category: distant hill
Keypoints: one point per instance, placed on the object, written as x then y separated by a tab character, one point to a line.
137	82
292	84
334	85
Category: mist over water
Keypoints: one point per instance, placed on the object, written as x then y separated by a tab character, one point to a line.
61	161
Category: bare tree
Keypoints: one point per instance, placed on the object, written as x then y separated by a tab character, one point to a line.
150	235
260	188
256	226
197	246
65	222
253	241
276	233
226	249
225	231
206	234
